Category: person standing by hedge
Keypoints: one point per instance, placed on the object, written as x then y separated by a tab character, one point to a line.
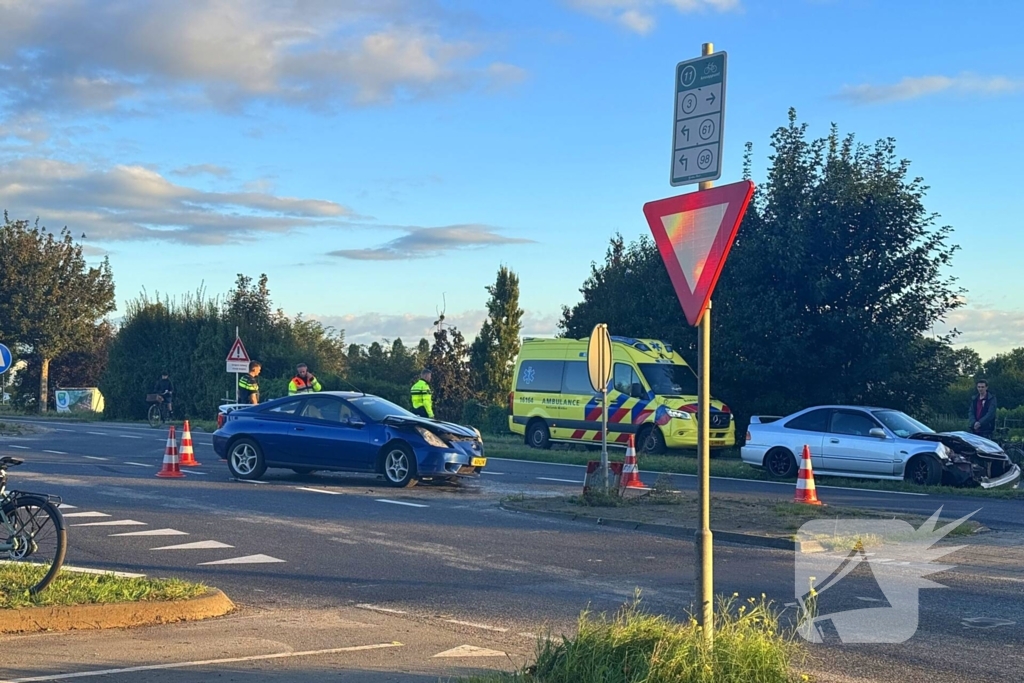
249	385
983	411
423	396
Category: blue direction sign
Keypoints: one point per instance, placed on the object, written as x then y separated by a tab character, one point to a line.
5	359
698	120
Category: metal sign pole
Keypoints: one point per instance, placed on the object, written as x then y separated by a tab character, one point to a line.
604	439
236	374
705	588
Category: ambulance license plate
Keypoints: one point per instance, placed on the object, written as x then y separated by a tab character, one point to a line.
717	442
478	462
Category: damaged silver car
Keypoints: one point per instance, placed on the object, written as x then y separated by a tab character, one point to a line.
973	460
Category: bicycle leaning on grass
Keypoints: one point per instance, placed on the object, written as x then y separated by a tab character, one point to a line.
1014	449
32	531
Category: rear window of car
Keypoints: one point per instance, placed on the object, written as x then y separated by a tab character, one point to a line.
286	408
576	379
540	376
814	421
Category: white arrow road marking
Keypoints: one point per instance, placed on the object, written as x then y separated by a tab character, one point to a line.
304	488
86	514
153	532
197	545
470	651
114	522
400	502
248	559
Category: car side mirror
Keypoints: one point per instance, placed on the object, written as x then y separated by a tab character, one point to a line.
878	433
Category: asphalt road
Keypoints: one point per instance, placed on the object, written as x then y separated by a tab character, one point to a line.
435	567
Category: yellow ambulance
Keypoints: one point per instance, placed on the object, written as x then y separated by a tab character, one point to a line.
652	395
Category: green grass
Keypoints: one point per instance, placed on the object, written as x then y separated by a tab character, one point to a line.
15	429
73	588
636	647
724	463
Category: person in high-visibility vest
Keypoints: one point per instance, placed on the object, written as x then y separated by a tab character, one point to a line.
249	385
423	396
304	381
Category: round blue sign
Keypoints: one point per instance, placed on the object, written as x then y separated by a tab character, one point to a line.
5	358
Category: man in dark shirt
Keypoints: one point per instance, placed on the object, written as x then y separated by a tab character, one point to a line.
983	411
249	386
164	388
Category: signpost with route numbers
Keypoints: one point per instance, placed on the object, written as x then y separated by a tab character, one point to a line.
698	121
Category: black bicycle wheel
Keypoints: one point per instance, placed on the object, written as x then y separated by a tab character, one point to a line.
155	418
34	528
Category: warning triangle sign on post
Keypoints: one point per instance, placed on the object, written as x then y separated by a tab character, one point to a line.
238	352
694	233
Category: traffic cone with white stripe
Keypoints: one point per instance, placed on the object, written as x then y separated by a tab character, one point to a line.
805	491
630	473
170	468
188	458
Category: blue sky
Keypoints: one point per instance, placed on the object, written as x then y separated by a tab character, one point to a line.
375	157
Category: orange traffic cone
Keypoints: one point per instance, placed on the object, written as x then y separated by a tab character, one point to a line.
630	473
188	458
805	491
170	468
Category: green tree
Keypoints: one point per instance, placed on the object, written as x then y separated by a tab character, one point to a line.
449	363
835	279
493	352
50	300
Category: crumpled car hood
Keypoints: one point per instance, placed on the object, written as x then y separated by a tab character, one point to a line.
432	425
964	443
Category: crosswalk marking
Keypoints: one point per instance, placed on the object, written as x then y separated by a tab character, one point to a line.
113	522
153	532
248	559
86	514
196	545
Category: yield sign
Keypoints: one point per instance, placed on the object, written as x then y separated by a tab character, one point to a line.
694	233
238	352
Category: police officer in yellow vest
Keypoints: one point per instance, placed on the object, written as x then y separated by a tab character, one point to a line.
423	396
303	381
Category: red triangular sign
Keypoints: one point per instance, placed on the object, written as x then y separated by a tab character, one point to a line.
694	233
238	352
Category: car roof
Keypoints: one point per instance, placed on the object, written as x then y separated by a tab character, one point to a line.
838	406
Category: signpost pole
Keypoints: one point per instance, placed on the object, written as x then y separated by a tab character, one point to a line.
236	374
705	589
604	438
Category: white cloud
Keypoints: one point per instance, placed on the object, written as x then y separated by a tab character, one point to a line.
100	56
987	330
428	242
203	169
911	88
133	203
639	15
366	328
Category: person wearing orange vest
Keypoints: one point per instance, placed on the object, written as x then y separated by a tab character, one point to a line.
303	381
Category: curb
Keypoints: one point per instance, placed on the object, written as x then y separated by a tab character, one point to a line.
116	615
776	543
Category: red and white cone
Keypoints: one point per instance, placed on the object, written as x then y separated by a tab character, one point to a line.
188	458
170	468
630	473
805	491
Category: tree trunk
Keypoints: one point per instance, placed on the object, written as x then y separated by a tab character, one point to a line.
44	382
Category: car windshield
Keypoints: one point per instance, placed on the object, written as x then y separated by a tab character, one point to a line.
901	424
668	379
377	408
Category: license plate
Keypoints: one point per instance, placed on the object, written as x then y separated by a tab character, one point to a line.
479	462
717	442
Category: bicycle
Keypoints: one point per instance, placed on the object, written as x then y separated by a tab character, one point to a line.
1013	449
158	413
32	530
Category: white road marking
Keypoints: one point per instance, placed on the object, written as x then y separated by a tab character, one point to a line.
93	457
470	651
56	452
87	514
305	488
205	662
24	448
128	436
400	502
97	433
486	472
375	608
138	464
243	481
153	532
101	572
114	522
196	545
65	506
248	559
565	481
188	471
485	627
985	622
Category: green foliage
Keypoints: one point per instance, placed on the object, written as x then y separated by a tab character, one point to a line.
493	352
451	382
489	419
82	367
73	588
830	292
50	302
386	369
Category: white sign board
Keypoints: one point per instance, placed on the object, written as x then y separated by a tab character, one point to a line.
699	114
238	358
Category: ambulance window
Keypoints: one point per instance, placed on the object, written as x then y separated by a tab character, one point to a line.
627	381
540	375
577	380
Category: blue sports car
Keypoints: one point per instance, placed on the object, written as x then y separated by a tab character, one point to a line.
349	432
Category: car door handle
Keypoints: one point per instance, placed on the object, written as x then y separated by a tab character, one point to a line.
300	429
833	440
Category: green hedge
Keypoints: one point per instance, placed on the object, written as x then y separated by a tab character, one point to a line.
488	419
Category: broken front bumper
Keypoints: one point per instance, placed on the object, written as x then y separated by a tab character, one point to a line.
1010	480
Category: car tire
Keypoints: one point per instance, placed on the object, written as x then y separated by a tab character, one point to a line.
398	465
538	435
302	470
780	463
245	460
923	470
651	442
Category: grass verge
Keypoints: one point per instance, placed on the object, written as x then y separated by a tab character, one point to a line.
635	647
73	588
16	429
725	463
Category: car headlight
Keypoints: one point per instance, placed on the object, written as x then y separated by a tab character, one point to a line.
431	438
945	452
680	415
